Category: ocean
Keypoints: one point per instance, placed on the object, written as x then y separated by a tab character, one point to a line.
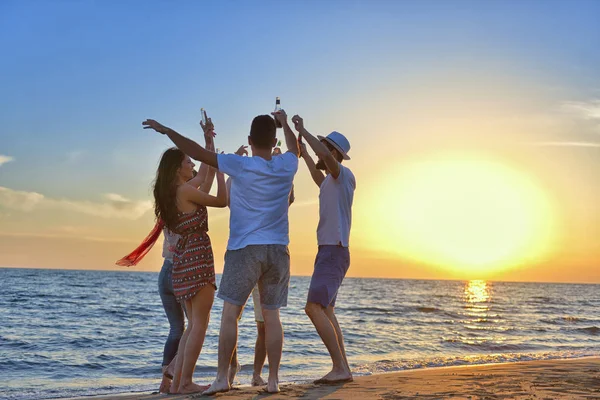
77	333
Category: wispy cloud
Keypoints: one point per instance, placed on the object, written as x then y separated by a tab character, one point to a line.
587	109
59	235
564	144
114	205
75	156
5	159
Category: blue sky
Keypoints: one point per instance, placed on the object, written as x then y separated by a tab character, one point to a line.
78	78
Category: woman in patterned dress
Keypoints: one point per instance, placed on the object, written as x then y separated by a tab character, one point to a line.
182	208
173	309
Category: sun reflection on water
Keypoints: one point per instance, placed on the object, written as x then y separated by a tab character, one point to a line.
477	291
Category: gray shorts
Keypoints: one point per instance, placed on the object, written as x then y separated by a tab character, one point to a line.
268	265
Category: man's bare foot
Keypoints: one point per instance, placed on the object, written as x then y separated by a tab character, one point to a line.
165	385
233	371
336	376
273	386
258	381
218	386
192	388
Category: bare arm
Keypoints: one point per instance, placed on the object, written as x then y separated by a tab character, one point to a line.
201	178
317	175
196	196
186	145
209	171
291	141
319	148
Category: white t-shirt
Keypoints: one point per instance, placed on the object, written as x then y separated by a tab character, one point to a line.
169	243
335	209
258	198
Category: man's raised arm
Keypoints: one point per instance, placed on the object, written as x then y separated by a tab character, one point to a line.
291	142
188	146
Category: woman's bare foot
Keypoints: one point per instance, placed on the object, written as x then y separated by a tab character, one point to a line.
218	386
169	371
192	388
165	385
258	381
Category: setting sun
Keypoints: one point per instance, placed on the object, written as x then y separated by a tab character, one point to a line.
465	213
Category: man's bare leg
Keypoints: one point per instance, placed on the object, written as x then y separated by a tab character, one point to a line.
228	336
234	368
328	334
330	311
260	353
274	346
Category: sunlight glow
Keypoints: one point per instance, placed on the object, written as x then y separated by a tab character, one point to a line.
465	213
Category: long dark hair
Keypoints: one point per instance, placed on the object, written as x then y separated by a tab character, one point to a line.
165	187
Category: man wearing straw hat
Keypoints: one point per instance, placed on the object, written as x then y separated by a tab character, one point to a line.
336	194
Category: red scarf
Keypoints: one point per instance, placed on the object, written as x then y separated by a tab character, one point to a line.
140	252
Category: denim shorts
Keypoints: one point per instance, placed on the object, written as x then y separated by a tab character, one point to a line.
331	265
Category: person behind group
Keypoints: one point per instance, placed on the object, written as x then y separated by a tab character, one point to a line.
173	309
258	236
336	193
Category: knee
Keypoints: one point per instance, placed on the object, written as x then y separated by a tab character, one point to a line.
231	315
312	308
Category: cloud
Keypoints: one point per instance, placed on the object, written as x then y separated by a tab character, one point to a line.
75	156
5	159
20	201
589	110
115	205
564	144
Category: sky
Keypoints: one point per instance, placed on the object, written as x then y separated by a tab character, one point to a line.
475	126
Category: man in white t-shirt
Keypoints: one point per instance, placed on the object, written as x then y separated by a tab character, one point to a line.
336	193
258	235
260	351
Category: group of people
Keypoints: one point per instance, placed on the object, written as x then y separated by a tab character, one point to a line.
258	192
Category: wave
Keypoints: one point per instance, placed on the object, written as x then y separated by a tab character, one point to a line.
475	344
592	330
383	366
427	309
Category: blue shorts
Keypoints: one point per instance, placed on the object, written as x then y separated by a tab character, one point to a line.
331	265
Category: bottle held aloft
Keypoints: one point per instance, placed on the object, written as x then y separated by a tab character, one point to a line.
277	108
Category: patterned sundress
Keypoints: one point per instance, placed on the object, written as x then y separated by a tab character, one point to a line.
193	262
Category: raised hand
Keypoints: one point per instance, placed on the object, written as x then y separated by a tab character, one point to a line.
303	151
242	150
209	127
152	124
280	116
298	122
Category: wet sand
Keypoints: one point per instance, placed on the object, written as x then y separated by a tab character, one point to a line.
553	379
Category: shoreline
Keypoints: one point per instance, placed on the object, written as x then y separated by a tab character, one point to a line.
568	378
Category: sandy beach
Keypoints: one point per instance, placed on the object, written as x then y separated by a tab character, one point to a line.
554	379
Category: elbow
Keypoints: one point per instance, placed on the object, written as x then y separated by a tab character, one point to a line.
322	154
221	203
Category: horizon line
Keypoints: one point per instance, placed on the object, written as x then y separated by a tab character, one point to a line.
128	270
